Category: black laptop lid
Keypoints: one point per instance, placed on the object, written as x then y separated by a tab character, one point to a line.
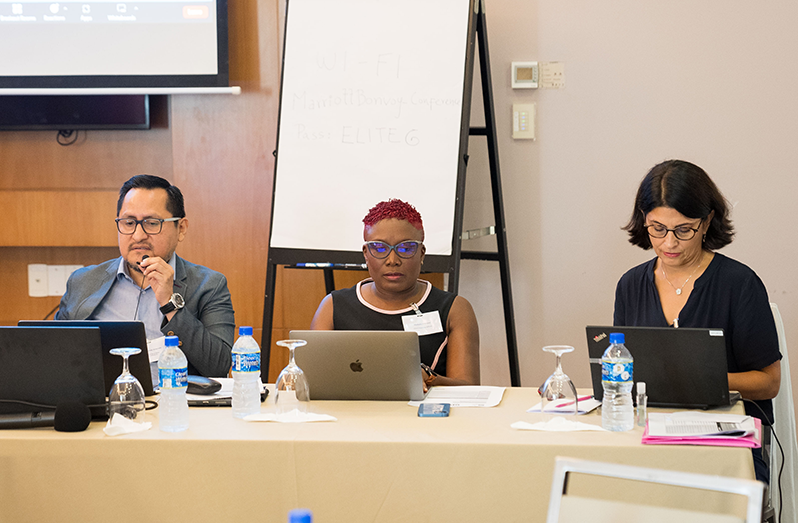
50	365
682	368
114	334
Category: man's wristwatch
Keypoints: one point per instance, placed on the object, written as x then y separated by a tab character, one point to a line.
174	303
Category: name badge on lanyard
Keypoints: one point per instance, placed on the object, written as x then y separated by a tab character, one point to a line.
422	323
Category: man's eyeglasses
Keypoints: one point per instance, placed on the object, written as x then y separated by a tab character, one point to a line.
660	231
381	250
148	225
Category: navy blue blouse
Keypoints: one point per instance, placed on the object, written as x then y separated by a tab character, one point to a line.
728	296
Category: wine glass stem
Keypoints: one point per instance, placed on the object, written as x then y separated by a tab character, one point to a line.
291	355
125	368
558	369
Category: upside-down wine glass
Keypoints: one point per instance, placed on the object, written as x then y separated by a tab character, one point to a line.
558	389
126	396
292	392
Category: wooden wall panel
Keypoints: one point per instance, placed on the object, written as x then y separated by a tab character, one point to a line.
15	304
297	294
98	160
58	218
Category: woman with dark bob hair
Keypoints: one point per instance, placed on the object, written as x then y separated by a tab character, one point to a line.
681	214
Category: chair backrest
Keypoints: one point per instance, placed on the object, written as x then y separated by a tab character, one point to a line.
566	508
784	427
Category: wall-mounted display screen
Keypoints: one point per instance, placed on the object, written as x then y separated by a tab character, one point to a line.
37	113
100	43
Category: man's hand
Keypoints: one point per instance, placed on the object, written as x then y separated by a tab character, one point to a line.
161	277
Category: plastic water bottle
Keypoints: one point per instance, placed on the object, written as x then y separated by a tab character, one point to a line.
246	374
617	411
173	374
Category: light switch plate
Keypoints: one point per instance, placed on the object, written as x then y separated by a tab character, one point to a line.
37	280
524	121
56	280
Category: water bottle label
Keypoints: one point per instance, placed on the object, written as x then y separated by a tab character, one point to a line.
247	362
617	372
173	378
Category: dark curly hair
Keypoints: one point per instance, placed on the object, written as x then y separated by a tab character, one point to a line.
394	208
687	188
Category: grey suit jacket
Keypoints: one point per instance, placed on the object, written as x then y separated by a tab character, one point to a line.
205	325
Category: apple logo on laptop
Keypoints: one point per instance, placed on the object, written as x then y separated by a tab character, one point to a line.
356	366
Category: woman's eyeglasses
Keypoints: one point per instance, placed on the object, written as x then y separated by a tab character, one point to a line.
660	231
381	250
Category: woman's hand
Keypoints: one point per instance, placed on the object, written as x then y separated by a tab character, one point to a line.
760	384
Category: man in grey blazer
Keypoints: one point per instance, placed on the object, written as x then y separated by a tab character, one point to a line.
151	283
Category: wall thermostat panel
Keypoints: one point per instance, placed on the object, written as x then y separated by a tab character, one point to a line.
525	75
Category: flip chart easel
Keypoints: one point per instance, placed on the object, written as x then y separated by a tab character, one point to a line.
375	104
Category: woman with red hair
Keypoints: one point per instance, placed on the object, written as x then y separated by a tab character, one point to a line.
394	252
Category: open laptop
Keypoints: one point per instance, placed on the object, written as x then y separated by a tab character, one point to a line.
51	365
113	334
682	368
361	365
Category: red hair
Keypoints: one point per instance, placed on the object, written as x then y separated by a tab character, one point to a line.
394	208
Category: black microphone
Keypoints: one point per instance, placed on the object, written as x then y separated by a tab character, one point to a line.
69	416
142	286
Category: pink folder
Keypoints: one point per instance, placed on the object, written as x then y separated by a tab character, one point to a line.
753	441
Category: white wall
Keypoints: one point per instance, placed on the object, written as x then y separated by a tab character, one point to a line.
712	82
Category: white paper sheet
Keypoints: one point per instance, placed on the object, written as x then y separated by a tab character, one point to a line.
463	396
693	423
557	425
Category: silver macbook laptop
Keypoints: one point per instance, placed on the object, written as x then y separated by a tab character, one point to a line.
682	368
361	365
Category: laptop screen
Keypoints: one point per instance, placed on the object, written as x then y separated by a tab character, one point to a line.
113	334
47	366
682	368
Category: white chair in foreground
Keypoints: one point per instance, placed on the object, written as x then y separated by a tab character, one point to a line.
571	508
784	427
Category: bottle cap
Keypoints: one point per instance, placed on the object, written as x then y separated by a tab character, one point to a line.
616	337
245	331
641	387
300	515
171	341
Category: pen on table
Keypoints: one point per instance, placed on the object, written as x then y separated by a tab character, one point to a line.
429	370
581	398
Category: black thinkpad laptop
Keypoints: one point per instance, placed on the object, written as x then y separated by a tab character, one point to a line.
47	366
113	334
682	368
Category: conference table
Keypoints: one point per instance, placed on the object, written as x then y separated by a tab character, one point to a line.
379	462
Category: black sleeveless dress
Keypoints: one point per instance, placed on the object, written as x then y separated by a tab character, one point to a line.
352	312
